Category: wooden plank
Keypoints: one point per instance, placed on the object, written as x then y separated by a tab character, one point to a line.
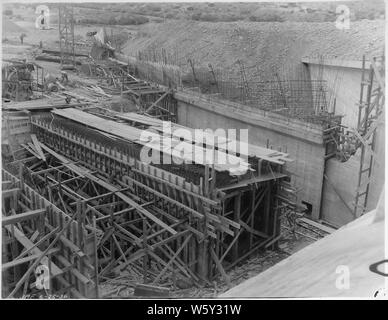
154	104
220	267
180	188
7	220
65	161
136	135
41	106
72	290
37	147
251	230
167	240
317	225
6	184
9	192
127	233
212	141
67	243
17	262
134	256
169	199
19	235
146	290
38	243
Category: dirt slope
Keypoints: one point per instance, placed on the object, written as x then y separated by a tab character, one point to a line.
10	27
261	46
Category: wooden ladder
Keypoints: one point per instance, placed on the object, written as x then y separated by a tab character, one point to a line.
369	112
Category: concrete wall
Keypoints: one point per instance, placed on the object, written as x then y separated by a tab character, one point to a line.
302	141
378	169
343	84
340	187
343	180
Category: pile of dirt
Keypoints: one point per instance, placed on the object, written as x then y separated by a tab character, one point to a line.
263	48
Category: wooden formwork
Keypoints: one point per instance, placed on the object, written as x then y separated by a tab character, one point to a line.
167	225
36	232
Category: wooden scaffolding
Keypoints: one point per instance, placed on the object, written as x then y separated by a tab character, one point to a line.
371	115
166	224
37	233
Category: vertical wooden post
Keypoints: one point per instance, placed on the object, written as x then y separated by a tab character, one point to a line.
95	256
206	181
237	208
21	178
203	255
213	175
50	282
267	207
112	244
276	222
145	259
253	197
80	207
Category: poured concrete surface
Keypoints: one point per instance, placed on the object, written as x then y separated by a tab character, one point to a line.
319	270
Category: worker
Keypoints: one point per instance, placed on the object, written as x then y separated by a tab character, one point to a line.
50	82
22	36
64	77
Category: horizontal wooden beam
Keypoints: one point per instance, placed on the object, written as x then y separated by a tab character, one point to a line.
20	236
167	240
17	262
154	104
7	220
6	184
9	192
85	280
251	230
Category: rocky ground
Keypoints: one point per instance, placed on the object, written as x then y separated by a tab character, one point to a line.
262	47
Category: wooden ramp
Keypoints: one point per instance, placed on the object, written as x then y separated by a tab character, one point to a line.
315	270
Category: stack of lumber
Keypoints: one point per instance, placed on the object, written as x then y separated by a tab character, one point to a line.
220	142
